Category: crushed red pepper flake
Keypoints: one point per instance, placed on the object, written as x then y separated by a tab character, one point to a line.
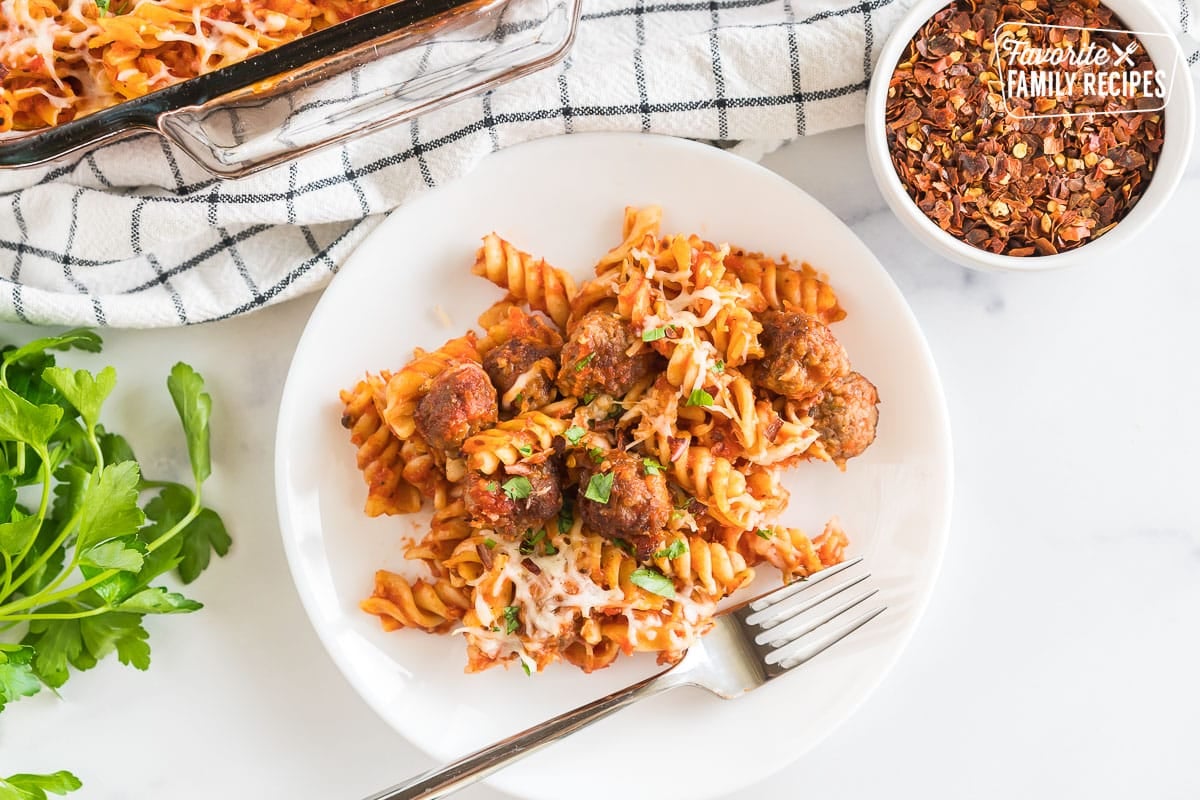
990	173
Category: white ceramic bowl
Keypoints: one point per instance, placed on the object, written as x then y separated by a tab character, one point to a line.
1138	16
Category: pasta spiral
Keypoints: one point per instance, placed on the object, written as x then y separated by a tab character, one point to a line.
378	455
544	287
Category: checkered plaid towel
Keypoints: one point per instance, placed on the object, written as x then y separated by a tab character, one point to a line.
136	235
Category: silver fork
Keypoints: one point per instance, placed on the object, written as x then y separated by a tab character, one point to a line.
751	644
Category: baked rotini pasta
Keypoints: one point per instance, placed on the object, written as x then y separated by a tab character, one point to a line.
64	59
603	461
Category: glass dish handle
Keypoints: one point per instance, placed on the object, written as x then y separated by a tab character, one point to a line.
374	85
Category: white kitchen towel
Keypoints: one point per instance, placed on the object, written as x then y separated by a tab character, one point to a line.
136	235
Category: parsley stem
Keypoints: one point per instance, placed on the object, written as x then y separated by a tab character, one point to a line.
9	586
41	560
178	526
63	533
41	598
91	435
91	612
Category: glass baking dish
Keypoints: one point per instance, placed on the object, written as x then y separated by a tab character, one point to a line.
369	72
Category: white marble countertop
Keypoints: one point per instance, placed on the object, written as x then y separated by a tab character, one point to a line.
1059	656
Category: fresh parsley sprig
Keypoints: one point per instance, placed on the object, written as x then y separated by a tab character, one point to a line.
77	571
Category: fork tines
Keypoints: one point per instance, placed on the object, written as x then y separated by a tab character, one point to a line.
779	620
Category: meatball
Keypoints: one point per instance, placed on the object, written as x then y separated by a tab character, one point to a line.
800	354
460	402
507	511
638	506
845	414
522	370
595	360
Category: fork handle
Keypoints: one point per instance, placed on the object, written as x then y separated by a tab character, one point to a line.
446	780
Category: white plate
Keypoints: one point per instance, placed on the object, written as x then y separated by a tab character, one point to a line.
562	198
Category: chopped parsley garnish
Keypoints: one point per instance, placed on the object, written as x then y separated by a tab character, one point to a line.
489	543
654	334
525	450
574	434
492	486
589	397
583	362
719	365
674	550
529	543
525	666
651	466
699	397
596	454
765	533
653	581
566	519
549	548
599	487
520	398
518	488
511	622
103	6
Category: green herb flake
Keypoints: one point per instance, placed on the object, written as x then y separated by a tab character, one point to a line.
699	397
588	398
719	366
525	450
511	620
574	434
765	533
653	581
674	550
518	488
654	334
489	543
582	363
652	466
492	486
599	487
525	666
103	6
566	519
550	549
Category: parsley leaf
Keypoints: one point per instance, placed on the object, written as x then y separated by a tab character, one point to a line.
22	421
518	488
653	581
566	519
719	365
599	487
103	6
654	334
489	543
34	787
159	601
574	434
83	390
492	486
525	666
525	450
652	466
79	338
596	454
195	407
588	397
765	533
511	620
674	550
699	397
17	679
583	362
109	508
